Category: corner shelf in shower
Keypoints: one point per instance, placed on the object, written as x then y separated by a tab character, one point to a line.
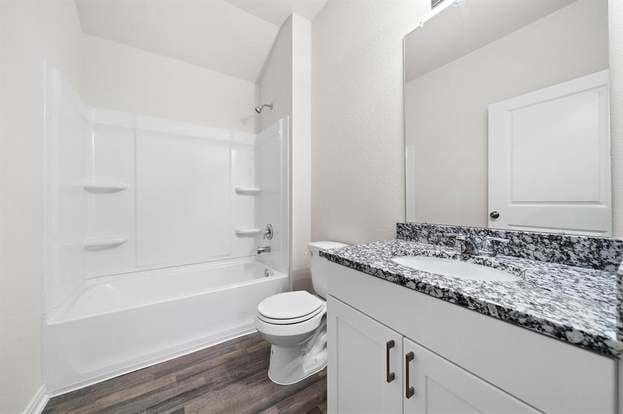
248	232
103	244
252	191
104	187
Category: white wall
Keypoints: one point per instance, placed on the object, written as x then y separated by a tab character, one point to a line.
274	85
127	79
285	82
300	154
451	186
357	145
30	31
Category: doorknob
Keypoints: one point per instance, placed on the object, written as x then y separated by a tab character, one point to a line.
494	214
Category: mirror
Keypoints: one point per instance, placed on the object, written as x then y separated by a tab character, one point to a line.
507	116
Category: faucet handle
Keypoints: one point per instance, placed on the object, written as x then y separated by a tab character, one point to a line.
491	243
465	243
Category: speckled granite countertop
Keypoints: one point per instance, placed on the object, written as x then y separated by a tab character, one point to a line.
576	305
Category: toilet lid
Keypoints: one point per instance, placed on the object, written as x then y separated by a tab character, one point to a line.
290	305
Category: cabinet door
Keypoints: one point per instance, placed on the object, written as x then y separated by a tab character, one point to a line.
365	369
434	385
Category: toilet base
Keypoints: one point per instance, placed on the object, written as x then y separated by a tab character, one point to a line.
289	365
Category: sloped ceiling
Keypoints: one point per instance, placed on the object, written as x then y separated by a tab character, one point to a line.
277	11
229	36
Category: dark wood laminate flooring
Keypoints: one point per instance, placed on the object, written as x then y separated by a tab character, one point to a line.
226	378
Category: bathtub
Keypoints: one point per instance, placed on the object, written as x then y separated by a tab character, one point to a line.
122	323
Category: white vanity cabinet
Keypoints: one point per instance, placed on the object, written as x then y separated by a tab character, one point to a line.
376	370
457	361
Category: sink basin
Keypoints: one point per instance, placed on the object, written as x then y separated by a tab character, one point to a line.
455	268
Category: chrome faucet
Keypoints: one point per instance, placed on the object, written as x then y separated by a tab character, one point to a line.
469	245
466	245
263	249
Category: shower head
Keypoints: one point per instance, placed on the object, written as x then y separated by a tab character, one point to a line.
259	109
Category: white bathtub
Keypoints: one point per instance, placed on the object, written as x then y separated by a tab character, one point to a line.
122	323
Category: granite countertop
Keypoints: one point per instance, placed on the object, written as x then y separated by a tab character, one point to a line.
576	305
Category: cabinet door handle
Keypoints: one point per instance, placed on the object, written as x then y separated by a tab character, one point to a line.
390	376
409	390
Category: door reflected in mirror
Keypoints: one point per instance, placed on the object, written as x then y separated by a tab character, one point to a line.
507	117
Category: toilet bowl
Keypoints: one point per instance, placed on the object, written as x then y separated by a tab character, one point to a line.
295	325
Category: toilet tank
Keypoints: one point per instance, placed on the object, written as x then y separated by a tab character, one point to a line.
318	273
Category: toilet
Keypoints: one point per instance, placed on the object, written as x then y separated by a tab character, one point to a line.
295	325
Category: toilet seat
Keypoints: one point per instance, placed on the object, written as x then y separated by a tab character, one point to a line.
300	319
290	306
290	329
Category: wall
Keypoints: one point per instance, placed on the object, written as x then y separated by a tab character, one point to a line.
565	45
127	79
30	32
285	81
300	152
274	84
357	145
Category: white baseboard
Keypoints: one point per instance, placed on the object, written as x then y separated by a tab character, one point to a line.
38	402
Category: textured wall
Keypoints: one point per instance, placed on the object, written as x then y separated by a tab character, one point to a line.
357	122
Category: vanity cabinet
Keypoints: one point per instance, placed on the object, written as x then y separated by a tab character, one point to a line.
376	370
459	361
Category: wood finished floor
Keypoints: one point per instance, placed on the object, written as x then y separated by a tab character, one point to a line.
227	378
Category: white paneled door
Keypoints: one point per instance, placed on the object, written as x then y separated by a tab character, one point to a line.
365	375
549	159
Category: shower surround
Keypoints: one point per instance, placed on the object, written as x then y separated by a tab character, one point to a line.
151	232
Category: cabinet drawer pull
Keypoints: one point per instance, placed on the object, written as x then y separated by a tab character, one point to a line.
409	390
390	376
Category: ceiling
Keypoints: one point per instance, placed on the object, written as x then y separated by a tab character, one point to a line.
459	30
277	11
229	36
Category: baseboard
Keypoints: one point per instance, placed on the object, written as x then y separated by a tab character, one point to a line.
38	402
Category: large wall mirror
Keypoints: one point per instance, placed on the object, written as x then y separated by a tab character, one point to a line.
507	120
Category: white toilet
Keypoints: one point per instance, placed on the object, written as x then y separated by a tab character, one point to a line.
295	324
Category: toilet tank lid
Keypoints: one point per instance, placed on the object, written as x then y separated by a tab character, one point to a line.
326	245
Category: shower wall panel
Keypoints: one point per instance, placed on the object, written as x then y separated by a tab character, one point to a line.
128	192
183	200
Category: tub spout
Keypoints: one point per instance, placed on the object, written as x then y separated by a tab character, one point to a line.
263	249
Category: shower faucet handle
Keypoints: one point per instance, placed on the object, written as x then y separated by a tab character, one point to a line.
269	232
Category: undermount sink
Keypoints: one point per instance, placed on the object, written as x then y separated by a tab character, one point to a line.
454	268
